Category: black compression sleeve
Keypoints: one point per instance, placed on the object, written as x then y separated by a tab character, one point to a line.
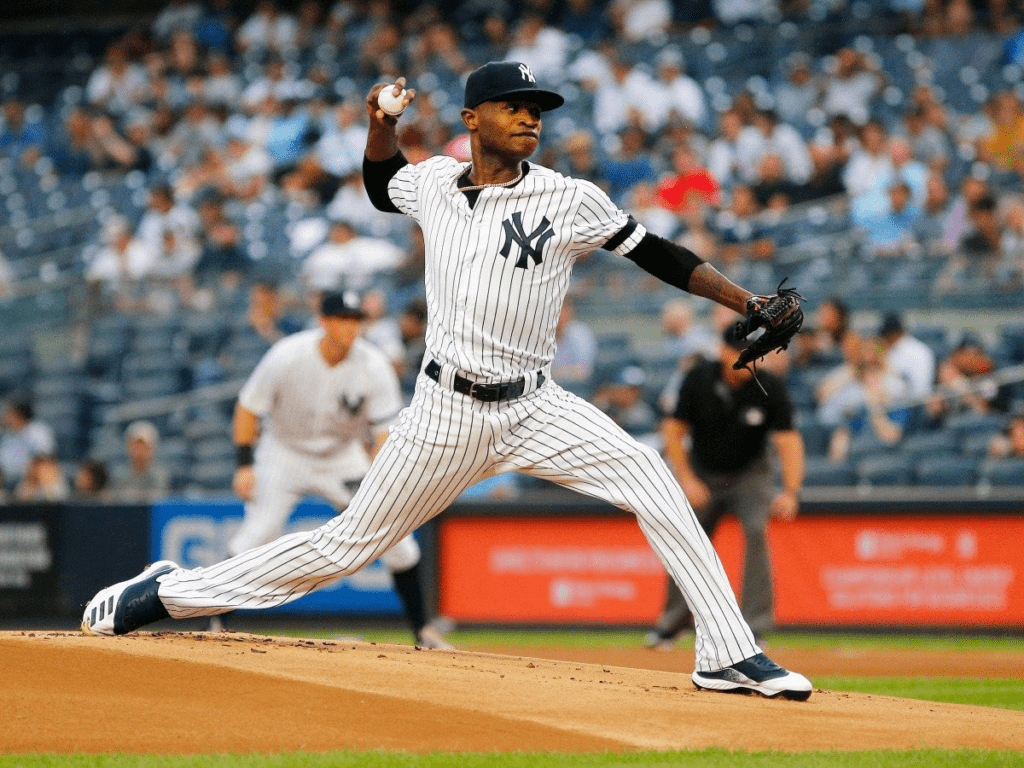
666	260
376	176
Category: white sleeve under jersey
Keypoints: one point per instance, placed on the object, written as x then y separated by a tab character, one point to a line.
498	270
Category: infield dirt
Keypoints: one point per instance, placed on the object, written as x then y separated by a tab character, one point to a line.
194	693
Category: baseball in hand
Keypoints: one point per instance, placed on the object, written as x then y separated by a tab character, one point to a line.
391	104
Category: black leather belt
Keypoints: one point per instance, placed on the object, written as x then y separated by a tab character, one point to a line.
488	393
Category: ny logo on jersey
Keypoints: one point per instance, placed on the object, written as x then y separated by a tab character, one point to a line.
527	73
531	245
352	408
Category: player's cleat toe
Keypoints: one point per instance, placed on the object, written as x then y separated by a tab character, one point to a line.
127	605
433	640
758	674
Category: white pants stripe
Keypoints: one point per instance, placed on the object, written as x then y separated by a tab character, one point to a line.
446	442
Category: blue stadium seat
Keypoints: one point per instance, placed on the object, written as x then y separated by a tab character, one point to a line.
210	477
891	469
977	444
148	385
868	444
816	436
931	443
964	424
946	471
1002	472
819	471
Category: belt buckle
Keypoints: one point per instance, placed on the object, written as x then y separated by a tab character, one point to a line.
472	390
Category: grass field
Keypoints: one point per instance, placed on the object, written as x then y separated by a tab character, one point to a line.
1004	693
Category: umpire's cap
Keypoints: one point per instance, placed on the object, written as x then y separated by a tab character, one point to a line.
505	81
340	304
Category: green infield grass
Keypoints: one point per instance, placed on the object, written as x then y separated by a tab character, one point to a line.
616	638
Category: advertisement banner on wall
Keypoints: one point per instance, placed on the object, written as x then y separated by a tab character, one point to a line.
29	567
926	571
548	570
195	534
855	571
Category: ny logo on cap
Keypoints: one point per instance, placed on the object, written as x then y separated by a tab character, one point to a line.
527	73
531	245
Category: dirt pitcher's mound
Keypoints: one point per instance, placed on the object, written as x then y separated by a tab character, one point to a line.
175	693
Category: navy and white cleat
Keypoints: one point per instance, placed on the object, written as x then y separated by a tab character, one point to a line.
758	674
127	605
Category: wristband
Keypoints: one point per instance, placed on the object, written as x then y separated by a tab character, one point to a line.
244	455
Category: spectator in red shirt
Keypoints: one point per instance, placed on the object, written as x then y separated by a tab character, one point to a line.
690	187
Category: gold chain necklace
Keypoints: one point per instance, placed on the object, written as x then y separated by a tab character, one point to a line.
475	187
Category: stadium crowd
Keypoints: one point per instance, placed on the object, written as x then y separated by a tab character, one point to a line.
227	139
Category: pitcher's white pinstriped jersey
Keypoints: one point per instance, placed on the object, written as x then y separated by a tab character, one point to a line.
498	271
496	275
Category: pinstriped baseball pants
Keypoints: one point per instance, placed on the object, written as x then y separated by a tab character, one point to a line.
445	442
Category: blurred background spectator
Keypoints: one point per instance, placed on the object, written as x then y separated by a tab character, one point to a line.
91	480
24	437
142	478
44	481
573	364
623	399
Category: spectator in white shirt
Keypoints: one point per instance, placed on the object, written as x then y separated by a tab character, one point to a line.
223	86
576	354
170	231
855	81
349	260
731	12
544	48
623	101
177	16
123	261
350	203
767	136
681	96
799	93
267	29
637	20
870	163
339	150
162	214
24	436
724	160
277	82
247	167
118	85
908	357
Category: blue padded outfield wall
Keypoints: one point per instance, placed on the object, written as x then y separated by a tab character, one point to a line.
196	534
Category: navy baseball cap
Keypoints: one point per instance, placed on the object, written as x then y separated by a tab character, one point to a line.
507	81
340	304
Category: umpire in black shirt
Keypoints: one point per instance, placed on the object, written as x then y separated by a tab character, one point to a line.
716	443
